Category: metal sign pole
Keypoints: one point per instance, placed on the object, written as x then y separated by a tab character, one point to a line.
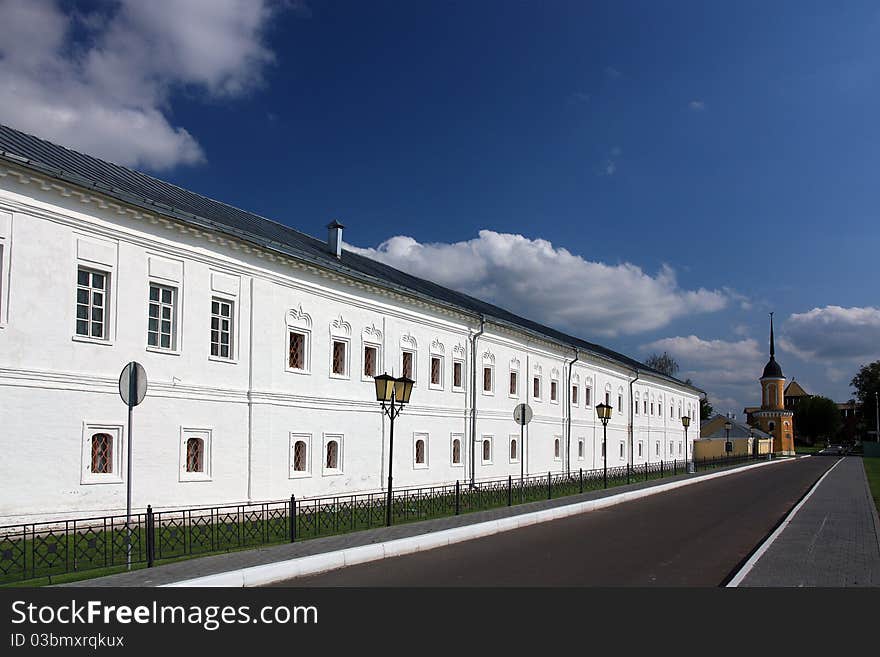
132	396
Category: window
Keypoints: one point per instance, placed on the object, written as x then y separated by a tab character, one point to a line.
420	452
679	449
487	379
670	447
581	448
621	450
487	451
456	451
641	448
436	371
371	360
645	407
331	462
195	455
299	456
771	426
296	351
457	375
603	449
588	393
514	388
92	303
102	453
536	387
671	412
339	365
636	406
574	395
407	368
556	449
221	328
620	403
553	387
162	320
652	408
608	399
514	456
657	448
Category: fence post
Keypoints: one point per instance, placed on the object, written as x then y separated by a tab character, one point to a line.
627	473
457	497
151	548
674	467
549	488
509	490
292	513
581	477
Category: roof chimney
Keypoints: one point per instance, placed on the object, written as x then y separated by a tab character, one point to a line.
334	237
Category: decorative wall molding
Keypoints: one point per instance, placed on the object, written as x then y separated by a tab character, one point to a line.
488	357
372	334
437	347
409	340
297	317
340	327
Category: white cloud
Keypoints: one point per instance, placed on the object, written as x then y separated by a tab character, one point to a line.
107	91
832	334
697	105
550	285
727	371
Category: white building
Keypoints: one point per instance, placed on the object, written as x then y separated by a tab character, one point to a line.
259	343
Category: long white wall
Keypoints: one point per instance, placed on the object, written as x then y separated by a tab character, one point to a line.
57	389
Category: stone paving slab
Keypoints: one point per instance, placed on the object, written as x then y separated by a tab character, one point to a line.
832	541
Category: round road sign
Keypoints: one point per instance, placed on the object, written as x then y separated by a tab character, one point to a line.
133	384
522	414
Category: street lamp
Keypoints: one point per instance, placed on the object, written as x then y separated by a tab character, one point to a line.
727	446
604	413
686	422
393	394
754	442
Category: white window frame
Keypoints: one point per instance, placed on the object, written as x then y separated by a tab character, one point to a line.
417	436
641	449
205	434
117	434
460	362
557	448
554	399
175	348
622	451
539	379
671	448
460	438
513	438
491	391
233	330
5	268
365	344
347	368
582	449
490	460
657	448
575	394
431	357
340	455
415	363
588	396
307	351
515	393
109	288
293	439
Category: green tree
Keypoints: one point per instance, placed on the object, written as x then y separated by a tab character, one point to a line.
662	363
706	409
817	418
866	383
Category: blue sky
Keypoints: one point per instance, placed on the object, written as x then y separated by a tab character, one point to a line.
649	175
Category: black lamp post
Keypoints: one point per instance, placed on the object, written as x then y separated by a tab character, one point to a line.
393	394
727	446
685	422
604	413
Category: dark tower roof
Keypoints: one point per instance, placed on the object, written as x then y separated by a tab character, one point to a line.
772	368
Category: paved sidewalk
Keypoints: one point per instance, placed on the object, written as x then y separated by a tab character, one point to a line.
832	541
221	563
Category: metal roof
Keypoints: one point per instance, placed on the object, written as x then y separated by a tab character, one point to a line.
163	198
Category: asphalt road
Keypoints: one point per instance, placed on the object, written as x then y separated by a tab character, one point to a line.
692	536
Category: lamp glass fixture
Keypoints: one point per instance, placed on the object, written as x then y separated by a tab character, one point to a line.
403	389
604	412
384	387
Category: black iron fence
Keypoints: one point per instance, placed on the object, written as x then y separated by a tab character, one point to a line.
109	543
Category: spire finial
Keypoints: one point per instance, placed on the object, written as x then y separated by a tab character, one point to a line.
772	350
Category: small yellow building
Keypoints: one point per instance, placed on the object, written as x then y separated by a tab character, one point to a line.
745	440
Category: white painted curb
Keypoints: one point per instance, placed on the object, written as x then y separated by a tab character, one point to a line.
319	563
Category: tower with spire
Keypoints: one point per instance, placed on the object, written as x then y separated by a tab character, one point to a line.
773	417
